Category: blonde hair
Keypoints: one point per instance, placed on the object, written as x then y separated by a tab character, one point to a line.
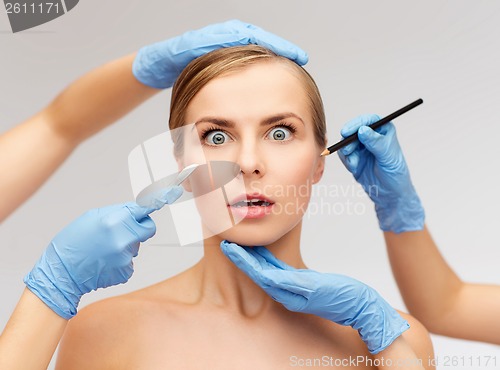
225	60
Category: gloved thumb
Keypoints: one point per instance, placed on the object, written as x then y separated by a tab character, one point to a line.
376	143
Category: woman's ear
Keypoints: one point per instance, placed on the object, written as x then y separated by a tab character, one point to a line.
318	171
320	166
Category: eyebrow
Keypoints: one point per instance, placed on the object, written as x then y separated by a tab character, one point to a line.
266	122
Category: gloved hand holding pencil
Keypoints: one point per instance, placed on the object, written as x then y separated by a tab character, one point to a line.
378	164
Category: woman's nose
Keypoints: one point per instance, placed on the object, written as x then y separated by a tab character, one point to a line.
250	159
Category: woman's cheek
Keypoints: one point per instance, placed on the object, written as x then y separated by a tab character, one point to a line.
301	169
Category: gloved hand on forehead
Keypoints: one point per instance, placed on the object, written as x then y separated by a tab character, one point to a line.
95	251
378	164
338	298
158	65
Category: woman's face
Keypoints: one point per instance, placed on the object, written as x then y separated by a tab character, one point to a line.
260	118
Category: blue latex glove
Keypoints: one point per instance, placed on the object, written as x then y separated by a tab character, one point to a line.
95	251
338	298
158	65
378	164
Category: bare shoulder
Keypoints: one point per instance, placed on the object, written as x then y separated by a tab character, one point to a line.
418	338
106	334
91	337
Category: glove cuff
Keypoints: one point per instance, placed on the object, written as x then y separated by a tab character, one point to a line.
398	327
378	323
61	297
52	297
406	214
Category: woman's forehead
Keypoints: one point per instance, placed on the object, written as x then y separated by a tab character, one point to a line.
258	90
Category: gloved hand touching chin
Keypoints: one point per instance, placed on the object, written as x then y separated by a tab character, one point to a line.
338	298
95	251
158	65
378	164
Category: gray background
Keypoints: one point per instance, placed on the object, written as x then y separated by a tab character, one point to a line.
366	57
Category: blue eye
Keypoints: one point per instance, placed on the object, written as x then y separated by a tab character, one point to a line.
280	133
216	137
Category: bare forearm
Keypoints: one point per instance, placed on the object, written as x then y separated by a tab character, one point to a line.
436	296
29	154
31	335
97	99
428	285
33	150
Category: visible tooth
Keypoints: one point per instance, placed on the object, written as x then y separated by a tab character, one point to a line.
251	203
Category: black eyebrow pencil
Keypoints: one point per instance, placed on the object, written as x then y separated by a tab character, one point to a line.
375	125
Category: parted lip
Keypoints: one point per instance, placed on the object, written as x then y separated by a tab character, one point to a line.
243	197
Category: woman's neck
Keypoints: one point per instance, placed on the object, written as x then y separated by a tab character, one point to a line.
222	283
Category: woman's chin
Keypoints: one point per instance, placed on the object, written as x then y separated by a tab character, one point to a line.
249	235
249	240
